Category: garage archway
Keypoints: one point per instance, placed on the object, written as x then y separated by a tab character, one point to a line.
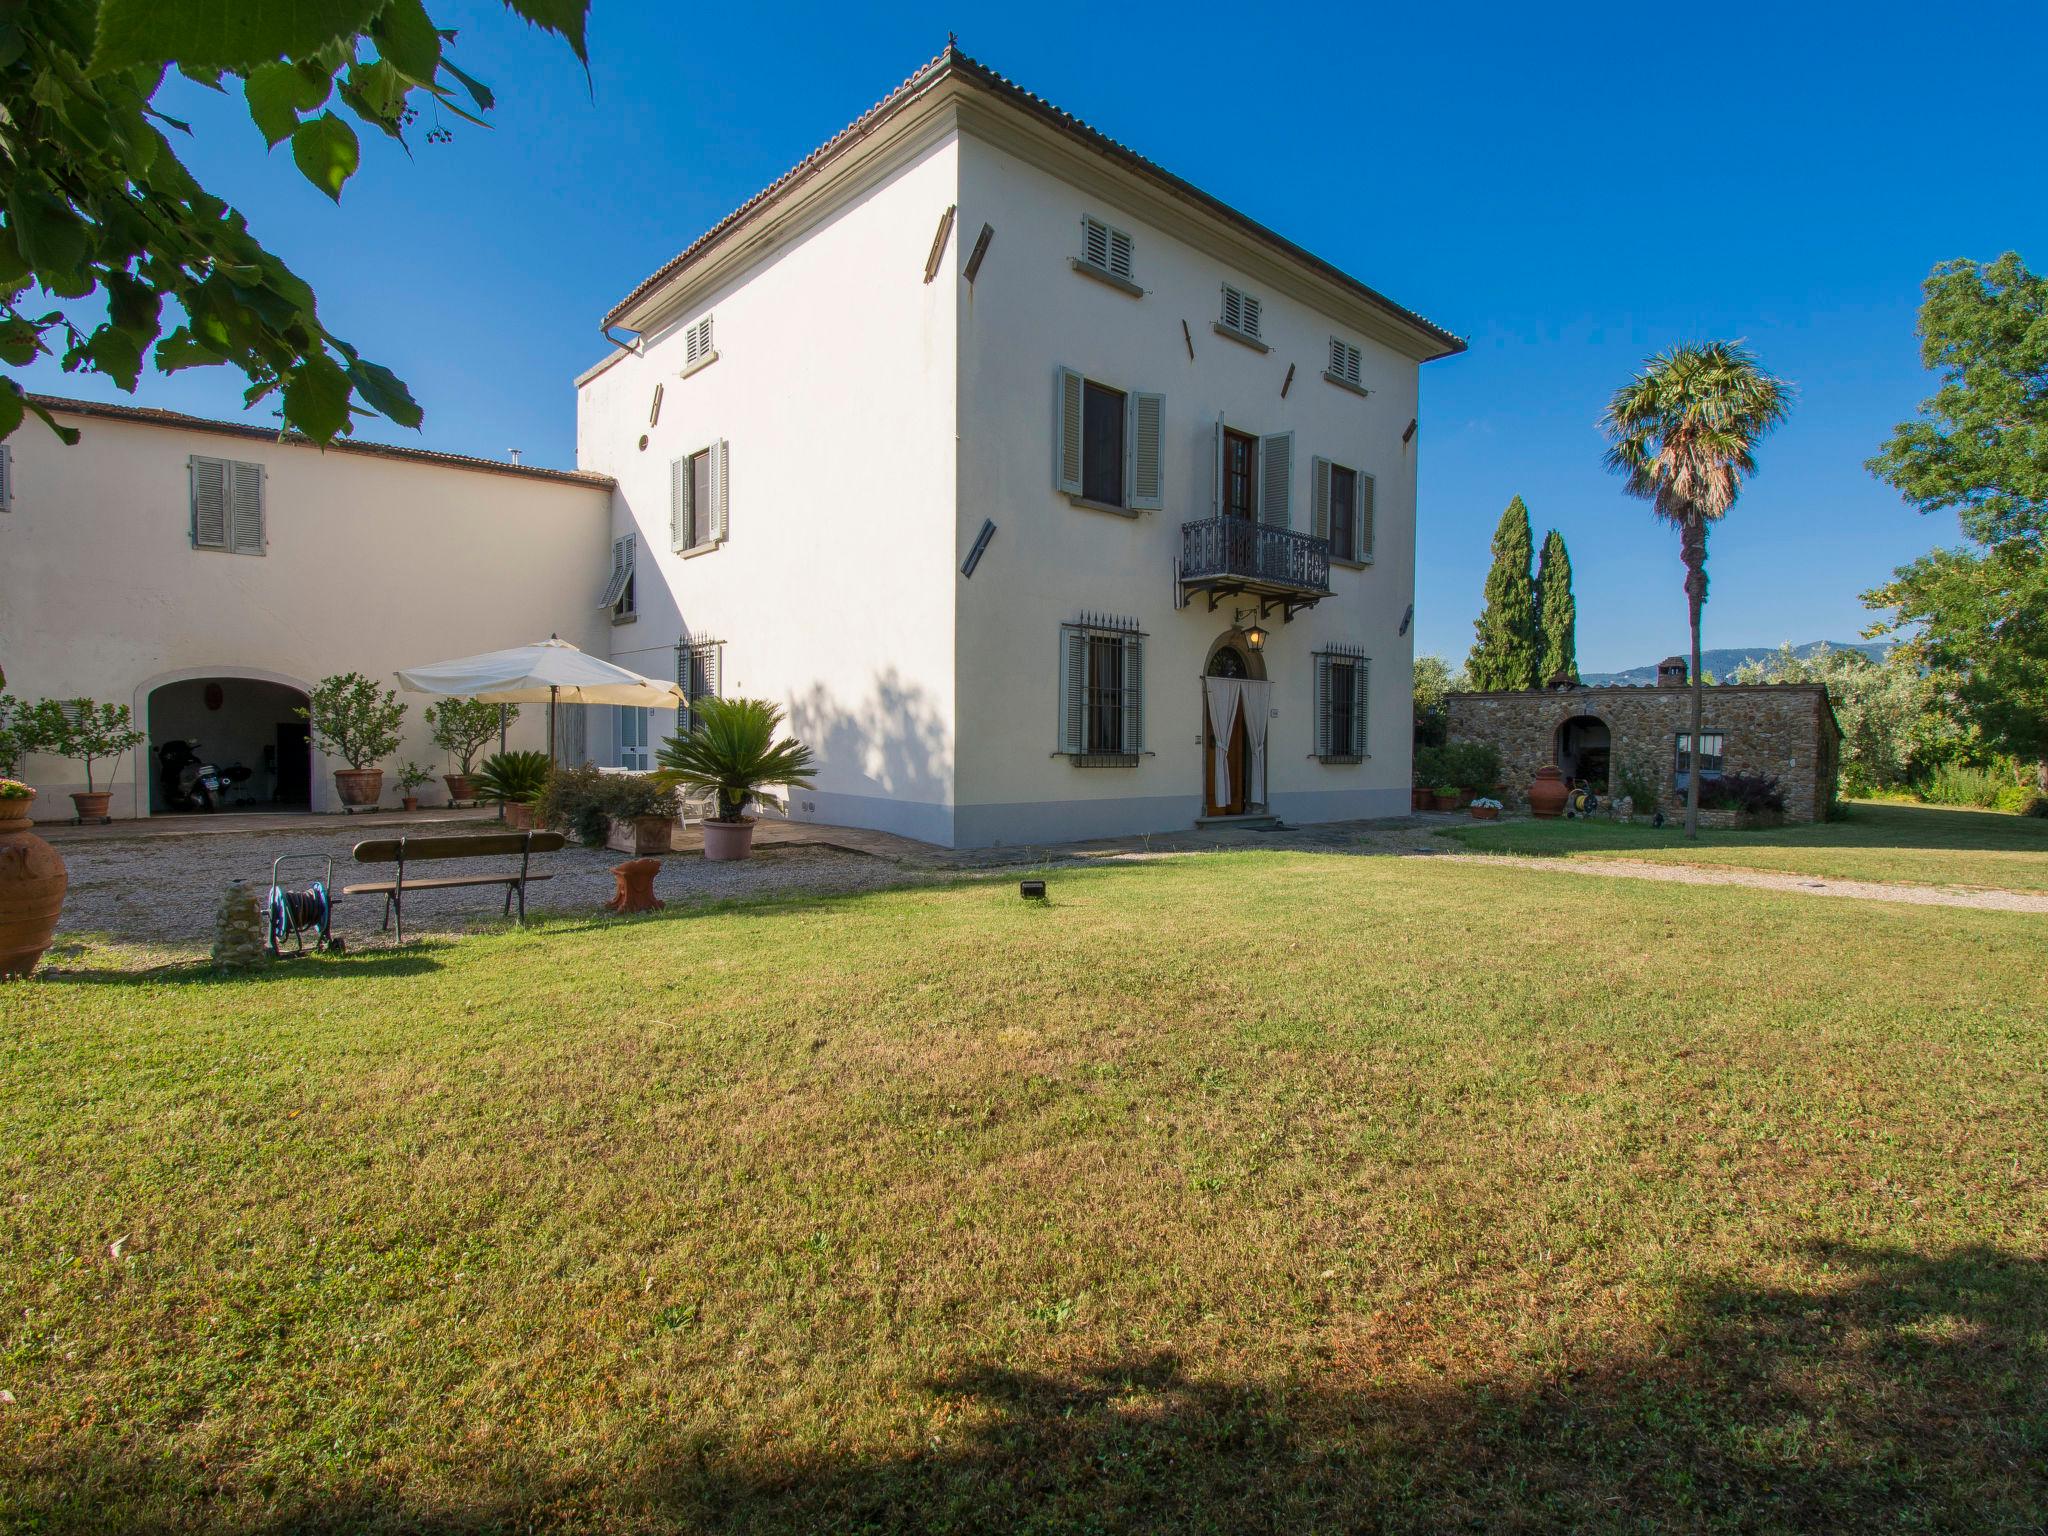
247	726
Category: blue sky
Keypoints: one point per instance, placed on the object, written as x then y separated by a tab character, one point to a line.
1570	188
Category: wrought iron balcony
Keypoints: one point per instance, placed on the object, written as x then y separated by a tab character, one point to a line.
1232	557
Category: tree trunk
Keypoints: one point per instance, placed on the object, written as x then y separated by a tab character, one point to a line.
1693	549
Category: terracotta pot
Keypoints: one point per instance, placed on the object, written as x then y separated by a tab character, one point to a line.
32	882
1483	812
1421	800
459	788
1548	793
518	815
92	805
641	835
358	786
728	839
410	802
1444	802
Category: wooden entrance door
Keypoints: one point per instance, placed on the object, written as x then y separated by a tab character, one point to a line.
1232	802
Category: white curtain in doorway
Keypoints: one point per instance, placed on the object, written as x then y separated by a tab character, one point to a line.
1226	697
1256	715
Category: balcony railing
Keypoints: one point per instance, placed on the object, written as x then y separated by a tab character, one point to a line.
1234	554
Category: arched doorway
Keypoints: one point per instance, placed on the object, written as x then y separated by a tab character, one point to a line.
249	727
1234	695
1584	745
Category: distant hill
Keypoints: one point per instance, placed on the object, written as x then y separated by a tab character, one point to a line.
1723	661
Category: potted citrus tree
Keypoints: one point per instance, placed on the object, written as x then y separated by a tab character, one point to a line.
731	751
86	733
410	777
462	728
354	722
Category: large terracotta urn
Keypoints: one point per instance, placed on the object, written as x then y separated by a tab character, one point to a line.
1548	793
460	791
32	882
358	787
92	805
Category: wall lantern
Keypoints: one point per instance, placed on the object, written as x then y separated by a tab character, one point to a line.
1254	637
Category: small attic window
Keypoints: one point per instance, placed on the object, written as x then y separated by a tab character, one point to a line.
697	348
1347	365
1106	254
1241	312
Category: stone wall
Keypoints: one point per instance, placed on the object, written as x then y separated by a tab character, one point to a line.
1785	730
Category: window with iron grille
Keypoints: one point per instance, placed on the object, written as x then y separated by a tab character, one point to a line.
618	592
1342	673
697	348
1102	691
1106	249
699	664
227	505
1711	756
1347	364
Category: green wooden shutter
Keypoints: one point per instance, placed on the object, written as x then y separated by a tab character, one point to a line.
1276	480
1134	694
1073	689
209	503
245	508
1148	460
1364	517
1216	480
1324	724
1319	499
679	504
1361	670
721	476
1066	431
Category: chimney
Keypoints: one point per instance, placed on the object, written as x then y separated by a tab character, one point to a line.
1671	672
512	454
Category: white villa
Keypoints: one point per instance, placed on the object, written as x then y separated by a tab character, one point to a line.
1050	496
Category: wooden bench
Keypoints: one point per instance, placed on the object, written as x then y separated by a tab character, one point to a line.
419	850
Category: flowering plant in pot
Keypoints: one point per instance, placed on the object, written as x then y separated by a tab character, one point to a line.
731	751
1485	808
410	777
462	728
352	721
515	780
86	733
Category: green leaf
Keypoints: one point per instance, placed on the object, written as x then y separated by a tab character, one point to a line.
406	39
566	17
278	93
12	407
327	152
67	435
20	343
181	349
53	239
478	91
216	34
316	399
117	354
385	393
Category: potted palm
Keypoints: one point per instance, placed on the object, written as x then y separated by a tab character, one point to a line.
355	723
515	780
462	728
731	751
85	733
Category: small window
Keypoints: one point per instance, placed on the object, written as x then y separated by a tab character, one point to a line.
1341	679
1240	312
227	506
633	751
1107	444
697	348
699	664
1347	365
1711	756
697	499
1102	712
618	592
1106	249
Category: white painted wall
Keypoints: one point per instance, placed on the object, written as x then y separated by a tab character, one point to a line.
834	389
1027	315
373	563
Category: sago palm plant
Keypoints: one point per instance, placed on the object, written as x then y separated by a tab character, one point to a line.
732	751
1683	432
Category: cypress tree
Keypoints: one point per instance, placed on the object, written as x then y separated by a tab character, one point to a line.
1557	611
1509	646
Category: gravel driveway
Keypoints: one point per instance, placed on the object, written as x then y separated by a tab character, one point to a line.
161	892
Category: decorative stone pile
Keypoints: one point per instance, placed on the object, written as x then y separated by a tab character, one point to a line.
239	940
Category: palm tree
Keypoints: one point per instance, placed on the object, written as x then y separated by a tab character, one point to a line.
1684	432
731	751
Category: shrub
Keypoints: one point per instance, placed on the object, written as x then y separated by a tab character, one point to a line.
80	730
1960	784
1636	778
1754	794
585	801
2036	805
1472	765
515	778
352	721
1430	769
464	727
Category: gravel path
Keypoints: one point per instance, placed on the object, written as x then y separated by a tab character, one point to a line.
1766	880
161	892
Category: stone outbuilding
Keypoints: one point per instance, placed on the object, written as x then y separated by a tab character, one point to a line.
1784	730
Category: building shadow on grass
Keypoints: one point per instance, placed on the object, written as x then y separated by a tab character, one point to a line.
355	965
1911	1393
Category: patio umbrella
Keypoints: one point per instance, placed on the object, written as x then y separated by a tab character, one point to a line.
551	672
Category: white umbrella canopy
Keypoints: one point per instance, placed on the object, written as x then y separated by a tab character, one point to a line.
545	673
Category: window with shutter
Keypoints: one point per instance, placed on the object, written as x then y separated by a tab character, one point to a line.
1102	692
1240	312
618	592
1102	444
1108	448
1340	687
1106	250
1347	365
1276	480
697	348
1148	455
209	503
697	499
245	508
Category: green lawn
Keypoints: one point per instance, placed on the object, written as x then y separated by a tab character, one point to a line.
1279	1192
1916	844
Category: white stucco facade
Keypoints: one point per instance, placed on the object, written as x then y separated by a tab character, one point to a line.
369	562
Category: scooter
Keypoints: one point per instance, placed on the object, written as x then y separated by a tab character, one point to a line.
189	784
